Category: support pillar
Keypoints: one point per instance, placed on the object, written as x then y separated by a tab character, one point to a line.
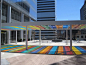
66	37
70	37
30	34
26	37
9	14
39	37
9	37
0	27
9	21
16	36
22	20
21	35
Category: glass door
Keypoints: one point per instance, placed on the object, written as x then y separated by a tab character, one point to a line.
3	38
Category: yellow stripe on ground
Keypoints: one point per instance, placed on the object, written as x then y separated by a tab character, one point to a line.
76	50
19	49
45	50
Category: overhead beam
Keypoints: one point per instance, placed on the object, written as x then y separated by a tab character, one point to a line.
45	23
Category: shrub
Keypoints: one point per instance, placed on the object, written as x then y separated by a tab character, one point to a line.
29	39
23	39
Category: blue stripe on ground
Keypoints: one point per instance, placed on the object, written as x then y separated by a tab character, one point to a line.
9	48
64	50
38	49
80	49
29	49
53	50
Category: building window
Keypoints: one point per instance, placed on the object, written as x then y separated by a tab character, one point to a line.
16	15
24	6
26	19
4	13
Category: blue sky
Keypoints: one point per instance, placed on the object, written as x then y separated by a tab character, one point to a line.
68	9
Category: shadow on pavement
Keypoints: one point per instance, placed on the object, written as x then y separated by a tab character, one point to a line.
77	60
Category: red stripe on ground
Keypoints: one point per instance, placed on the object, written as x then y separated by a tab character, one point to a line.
67	48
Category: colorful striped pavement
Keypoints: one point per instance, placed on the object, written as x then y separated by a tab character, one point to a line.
55	50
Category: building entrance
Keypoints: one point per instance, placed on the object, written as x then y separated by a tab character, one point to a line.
3	37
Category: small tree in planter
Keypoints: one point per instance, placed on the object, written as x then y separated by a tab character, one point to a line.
20	40
29	39
23	39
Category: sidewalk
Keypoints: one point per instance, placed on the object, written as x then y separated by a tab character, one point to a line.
40	59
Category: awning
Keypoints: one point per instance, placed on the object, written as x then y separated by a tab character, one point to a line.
44	27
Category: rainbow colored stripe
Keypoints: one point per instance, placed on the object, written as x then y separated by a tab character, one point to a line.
63	50
44	27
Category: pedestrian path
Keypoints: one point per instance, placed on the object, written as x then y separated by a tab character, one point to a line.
56	50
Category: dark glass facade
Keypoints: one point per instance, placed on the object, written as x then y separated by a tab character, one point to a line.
14	11
4	13
45	10
83	12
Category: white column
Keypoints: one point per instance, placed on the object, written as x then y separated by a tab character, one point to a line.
16	36
30	34
9	14
9	36
22	20
26	37
21	36
0	26
40	37
70	37
9	21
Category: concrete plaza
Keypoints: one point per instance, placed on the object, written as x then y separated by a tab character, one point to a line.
50	43
37	59
44	59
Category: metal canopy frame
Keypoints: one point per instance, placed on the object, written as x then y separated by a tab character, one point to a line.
47	23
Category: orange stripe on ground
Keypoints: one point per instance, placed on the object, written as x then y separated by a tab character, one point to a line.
46	50
60	49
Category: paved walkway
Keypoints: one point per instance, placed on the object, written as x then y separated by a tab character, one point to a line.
36	59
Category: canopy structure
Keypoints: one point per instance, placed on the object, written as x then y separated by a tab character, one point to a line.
44	27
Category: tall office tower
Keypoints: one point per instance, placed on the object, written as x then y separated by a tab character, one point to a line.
14	11
83	11
83	17
46	12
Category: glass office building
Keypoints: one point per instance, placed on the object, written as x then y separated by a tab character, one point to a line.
14	11
83	11
46	12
